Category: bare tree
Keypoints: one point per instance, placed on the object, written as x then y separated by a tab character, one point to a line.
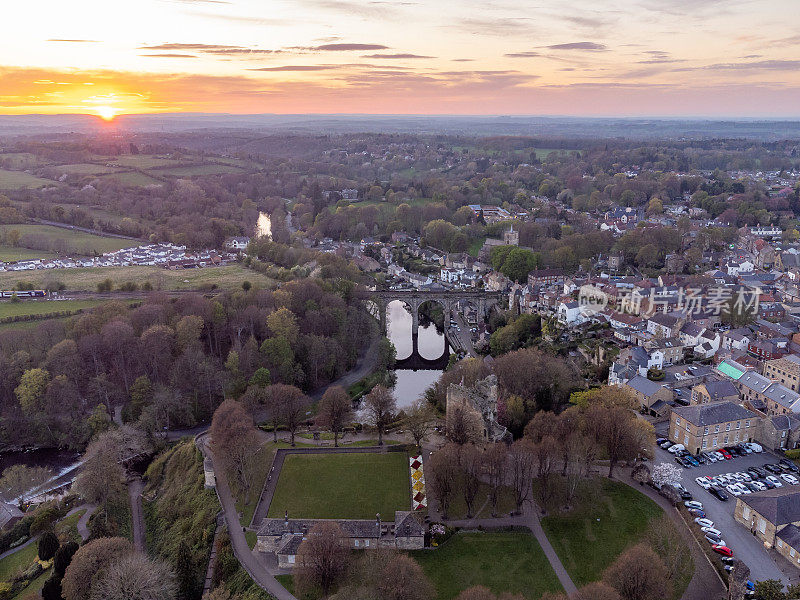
102	477
137	577
582	454
20	481
322	558
234	440
545	453
380	405
496	467
419	420
403	579
471	464
638	574
522	465
441	476
335	411
292	407
460	429
667	542
599	590
90	559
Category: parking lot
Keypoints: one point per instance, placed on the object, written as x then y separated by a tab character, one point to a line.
746	547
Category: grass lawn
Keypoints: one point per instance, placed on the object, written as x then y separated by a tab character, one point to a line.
14	180
34	589
17	561
70	240
503	562
225	277
9	254
481	507
142	161
132	179
541	153
43	307
246	503
198	170
67	528
475	247
85	169
343	486
609	517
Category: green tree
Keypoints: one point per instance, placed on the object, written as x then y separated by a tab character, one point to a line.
185	571
141	394
261	378
769	589
283	323
48	545
31	390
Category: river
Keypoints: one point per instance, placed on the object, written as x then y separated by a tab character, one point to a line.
431	343
263	225
63	464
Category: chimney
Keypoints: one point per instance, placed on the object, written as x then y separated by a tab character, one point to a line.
286	520
378	524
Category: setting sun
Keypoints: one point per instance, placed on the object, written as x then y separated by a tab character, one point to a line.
107	113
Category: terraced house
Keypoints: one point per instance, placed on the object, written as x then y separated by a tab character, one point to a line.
763	394
773	517
786	370
702	427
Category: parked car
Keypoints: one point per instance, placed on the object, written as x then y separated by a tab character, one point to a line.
696	512
725	454
691	460
714	540
683	462
768	484
711	530
718	493
773	469
676	448
790	464
693	504
664	445
704	482
791	479
724	550
703	522
755	447
774	480
710	456
728	560
733	490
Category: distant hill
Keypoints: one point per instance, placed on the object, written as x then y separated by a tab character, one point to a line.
573	127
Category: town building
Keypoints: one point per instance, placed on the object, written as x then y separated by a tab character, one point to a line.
773	517
705	427
476	407
714	391
786	370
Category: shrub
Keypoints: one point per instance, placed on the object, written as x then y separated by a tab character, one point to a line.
48	545
793	454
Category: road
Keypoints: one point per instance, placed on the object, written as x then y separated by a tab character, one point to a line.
463	334
746	547
135	488
249	561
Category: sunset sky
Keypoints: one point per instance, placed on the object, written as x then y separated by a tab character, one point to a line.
632	58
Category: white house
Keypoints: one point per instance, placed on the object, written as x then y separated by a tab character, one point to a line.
237	243
569	313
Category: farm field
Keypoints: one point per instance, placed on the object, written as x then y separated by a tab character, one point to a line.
70	240
42	307
9	254
20	160
142	161
502	562
85	169
132	178
225	277
342	486
198	170
608	519
15	180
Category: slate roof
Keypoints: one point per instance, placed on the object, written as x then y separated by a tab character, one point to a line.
790	536
780	506
713	413
782	395
755	381
366	528
783	422
644	386
720	389
407	524
8	512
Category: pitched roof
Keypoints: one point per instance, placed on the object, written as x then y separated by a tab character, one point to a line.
713	413
407	524
790	536
721	389
780	506
644	386
755	381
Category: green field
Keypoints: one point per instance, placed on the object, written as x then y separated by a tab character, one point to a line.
9	254
20	160
15	180
142	161
502	562
70	239
43	307
20	559
225	277
133	179
343	486
541	153
198	170
85	169
609	518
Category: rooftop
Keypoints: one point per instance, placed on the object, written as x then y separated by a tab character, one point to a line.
713	413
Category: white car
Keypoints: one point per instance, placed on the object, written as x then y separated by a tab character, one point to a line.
703	522
710	456
745	476
711	530
790	479
693	504
744	488
754	447
715	540
703	482
774	481
676	448
718	455
761	487
734	490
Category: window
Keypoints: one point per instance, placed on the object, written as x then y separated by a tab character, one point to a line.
747	424
366	543
686	440
356	543
726	438
762	525
728	427
291	559
746	513
678	421
687	426
792	552
705	443
714	443
705	431
780	543
716	428
738	424
736	439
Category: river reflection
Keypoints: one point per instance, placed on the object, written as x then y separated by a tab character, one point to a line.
264	225
431	344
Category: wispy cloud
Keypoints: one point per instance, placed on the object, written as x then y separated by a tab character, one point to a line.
299	68
345	47
592	46
74	41
522	54
168	55
396	56
218	49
